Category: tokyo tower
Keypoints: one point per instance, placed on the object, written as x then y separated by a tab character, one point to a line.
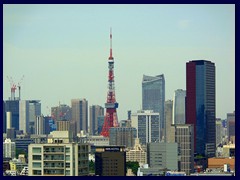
110	119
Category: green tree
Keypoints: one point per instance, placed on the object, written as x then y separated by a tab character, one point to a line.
133	165
91	167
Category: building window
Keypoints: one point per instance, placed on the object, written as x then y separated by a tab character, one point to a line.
37	165
37	172
37	157
36	150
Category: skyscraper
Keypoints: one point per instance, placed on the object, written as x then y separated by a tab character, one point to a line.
147	125
80	114
183	134
40	125
167	119
200	105
231	126
153	96
95	112
28	110
179	106
24	116
34	110
13	107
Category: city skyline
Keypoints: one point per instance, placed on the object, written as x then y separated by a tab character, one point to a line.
63	50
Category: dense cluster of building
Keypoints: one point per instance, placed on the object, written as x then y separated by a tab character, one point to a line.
174	137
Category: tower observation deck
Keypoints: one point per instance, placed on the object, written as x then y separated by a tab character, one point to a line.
110	119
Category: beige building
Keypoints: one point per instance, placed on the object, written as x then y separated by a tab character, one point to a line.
229	150
137	153
58	157
63	125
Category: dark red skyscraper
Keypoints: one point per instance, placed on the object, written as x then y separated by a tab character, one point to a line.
111	105
200	105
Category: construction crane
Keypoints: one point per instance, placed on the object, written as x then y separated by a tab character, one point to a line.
19	87
13	87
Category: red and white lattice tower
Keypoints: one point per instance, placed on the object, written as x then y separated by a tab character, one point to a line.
110	119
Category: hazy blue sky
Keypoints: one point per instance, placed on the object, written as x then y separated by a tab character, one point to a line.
63	50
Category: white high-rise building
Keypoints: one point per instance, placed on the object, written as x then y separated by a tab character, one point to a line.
9	148
39	125
28	110
59	157
147	124
179	107
24	116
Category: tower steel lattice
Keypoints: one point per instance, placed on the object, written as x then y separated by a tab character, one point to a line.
110	119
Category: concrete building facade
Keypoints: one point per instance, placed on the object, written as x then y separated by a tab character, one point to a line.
136	154
183	135
95	111
80	114
147	124
122	136
163	155
59	157
9	149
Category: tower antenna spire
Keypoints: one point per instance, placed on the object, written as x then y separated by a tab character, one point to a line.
110	44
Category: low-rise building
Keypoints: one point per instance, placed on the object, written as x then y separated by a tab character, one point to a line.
137	153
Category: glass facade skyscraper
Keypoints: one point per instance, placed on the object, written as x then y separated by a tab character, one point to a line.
200	105
179	106
153	96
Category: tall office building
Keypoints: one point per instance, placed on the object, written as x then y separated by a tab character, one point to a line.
179	106
200	105
163	155
100	120
218	131
13	107
34	110
40	122
95	112
80	114
24	116
183	134
231	126
153	96
110	161
28	110
147	125
168	119
122	136
9	149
